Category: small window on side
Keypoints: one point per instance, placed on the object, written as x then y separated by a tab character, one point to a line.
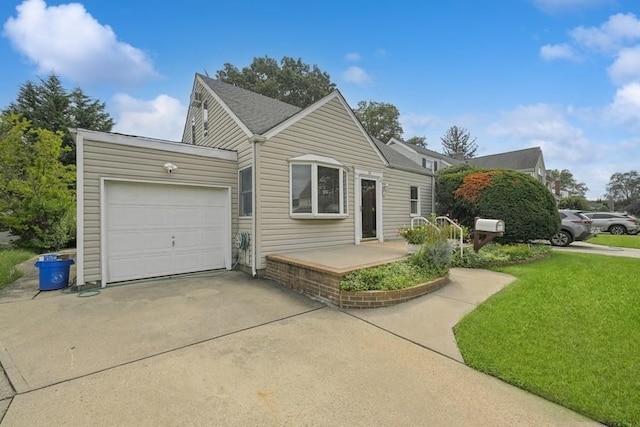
245	192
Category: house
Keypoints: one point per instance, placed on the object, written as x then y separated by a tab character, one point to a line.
528	161
426	158
252	176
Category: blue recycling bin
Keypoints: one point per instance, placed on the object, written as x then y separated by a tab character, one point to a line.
54	273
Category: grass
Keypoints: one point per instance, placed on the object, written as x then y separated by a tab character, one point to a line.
8	260
566	330
621	241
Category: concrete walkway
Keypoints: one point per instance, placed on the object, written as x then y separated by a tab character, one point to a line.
590	248
224	349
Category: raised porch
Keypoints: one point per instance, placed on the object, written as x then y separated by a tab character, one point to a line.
318	273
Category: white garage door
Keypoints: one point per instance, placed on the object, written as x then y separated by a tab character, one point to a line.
158	230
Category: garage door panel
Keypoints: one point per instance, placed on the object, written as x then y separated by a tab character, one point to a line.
156	230
158	217
125	217
126	242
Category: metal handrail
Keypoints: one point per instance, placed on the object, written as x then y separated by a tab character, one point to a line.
440	223
443	221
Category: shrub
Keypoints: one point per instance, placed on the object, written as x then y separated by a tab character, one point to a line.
396	275
527	207
495	254
36	190
633	208
574	202
434	256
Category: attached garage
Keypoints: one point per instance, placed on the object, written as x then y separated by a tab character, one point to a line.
156	230
138	218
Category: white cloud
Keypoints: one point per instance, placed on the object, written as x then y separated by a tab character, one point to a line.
67	40
352	57
357	76
418	124
626	67
162	117
555	6
547	127
625	107
558	51
618	31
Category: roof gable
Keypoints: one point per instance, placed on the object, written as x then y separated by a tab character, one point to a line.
423	151
318	104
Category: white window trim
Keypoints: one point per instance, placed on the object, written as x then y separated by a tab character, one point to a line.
240	215
411	214
314	162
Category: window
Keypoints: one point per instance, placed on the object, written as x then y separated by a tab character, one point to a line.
414	197
205	118
245	190
193	130
318	190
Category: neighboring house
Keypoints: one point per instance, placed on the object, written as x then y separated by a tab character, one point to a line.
426	158
529	161
285	179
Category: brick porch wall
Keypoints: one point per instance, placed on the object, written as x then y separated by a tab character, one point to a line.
324	285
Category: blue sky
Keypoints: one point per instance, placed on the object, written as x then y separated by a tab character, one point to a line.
560	74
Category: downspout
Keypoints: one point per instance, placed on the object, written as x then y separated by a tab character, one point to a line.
254	140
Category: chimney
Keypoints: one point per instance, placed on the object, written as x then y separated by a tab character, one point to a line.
556	187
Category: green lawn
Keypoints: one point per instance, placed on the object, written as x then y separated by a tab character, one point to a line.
622	241
8	260
568	330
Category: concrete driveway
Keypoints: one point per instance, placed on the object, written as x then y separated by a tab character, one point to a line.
227	350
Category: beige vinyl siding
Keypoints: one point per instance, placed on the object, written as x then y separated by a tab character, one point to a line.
397	202
329	131
102	159
224	132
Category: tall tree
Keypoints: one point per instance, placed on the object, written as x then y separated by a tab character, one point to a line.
291	81
457	143
624	187
379	119
420	141
568	182
48	105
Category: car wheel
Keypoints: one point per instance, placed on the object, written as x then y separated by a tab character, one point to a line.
617	229
561	238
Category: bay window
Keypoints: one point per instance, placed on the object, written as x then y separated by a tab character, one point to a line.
318	189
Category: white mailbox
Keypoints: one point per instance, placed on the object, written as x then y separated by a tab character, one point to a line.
490	225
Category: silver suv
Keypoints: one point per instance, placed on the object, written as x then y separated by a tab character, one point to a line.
614	222
576	226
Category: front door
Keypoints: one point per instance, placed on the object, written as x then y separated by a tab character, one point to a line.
368	208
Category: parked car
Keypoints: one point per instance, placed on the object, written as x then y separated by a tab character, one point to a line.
576	226
615	222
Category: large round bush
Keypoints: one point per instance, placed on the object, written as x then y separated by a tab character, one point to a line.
527	207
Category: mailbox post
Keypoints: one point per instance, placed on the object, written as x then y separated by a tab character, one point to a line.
489	229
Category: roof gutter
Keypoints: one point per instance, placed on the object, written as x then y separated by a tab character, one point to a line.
255	141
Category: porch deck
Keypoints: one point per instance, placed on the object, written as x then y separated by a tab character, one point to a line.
318	273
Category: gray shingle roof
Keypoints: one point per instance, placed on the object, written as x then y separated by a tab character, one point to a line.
397	159
259	113
517	160
431	153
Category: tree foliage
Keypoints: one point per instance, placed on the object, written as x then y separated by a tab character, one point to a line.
48	105
624	187
420	141
291	81
527	208
380	120
36	197
457	143
574	202
568	182
633	208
